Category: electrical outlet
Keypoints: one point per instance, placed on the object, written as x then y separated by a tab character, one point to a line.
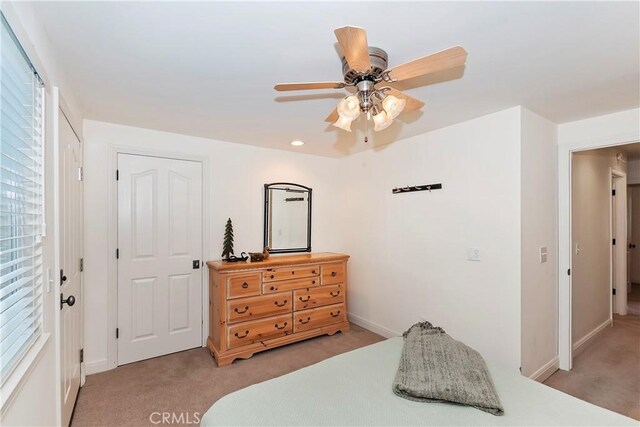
473	254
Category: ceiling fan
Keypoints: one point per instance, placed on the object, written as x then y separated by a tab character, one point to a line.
365	68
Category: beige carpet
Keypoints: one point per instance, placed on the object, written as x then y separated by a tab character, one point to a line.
607	373
633	300
188	382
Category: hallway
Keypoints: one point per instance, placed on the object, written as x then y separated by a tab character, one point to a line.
607	373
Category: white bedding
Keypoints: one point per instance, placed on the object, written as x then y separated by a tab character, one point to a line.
355	389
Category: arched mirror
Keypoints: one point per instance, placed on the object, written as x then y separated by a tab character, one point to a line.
287	217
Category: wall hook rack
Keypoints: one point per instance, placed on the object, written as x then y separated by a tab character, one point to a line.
426	187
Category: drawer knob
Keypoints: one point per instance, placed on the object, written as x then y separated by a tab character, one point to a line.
272	276
335	314
245	285
334	293
313	272
293	272
334	274
237	309
242	336
308	297
281	305
281	327
273	288
313	282
303	321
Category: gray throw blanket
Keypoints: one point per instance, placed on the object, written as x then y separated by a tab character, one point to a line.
436	368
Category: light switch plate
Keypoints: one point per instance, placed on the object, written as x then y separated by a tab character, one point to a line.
473	254
543	254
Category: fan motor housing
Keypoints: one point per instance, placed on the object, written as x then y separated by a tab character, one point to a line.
378	59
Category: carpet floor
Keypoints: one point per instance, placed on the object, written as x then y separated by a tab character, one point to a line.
607	373
633	300
184	385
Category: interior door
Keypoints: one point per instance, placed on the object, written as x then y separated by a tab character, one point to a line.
71	249
159	256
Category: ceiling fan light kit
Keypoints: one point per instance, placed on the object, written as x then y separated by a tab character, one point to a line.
365	68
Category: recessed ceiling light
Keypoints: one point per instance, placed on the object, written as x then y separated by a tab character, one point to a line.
297	143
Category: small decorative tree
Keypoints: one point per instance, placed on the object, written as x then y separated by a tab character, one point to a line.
227	245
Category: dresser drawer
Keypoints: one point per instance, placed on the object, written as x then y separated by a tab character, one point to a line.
243	309
287	285
318	317
333	273
293	272
243	285
318	297
258	330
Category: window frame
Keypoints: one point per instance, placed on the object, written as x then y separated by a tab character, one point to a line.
14	373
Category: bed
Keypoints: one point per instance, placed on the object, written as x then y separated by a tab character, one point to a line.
355	389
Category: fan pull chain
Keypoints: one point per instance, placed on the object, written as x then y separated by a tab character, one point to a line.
366	127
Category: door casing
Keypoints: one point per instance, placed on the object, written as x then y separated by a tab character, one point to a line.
565	239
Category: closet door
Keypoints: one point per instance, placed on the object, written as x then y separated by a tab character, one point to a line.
159	256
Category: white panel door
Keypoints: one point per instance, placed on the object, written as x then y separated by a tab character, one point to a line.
159	238
71	242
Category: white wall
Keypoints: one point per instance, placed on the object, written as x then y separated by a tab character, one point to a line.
539	180
591	200
633	172
409	250
615	128
237	175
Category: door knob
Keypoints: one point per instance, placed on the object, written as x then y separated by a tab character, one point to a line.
69	301
632	245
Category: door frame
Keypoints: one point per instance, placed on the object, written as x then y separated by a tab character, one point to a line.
565	155
618	254
112	244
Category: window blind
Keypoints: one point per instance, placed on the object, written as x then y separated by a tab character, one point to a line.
21	202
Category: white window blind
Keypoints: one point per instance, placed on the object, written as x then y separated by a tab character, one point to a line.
21	202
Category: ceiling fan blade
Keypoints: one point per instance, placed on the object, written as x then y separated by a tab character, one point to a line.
331	118
412	103
306	86
353	41
448	58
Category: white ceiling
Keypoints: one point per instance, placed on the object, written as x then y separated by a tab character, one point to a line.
208	69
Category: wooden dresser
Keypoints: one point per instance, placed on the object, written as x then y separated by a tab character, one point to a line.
287	298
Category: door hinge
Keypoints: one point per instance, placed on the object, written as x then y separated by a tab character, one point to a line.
81	173
117	333
613	241
81	355
613	291
117	253
81	264
117	175
569	272
613	192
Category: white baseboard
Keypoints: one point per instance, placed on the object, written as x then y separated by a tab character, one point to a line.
580	345
546	370
373	327
96	366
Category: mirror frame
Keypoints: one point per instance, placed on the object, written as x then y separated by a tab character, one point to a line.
270	186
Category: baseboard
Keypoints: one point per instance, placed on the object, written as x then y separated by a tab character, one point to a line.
546	370
580	345
96	366
373	327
